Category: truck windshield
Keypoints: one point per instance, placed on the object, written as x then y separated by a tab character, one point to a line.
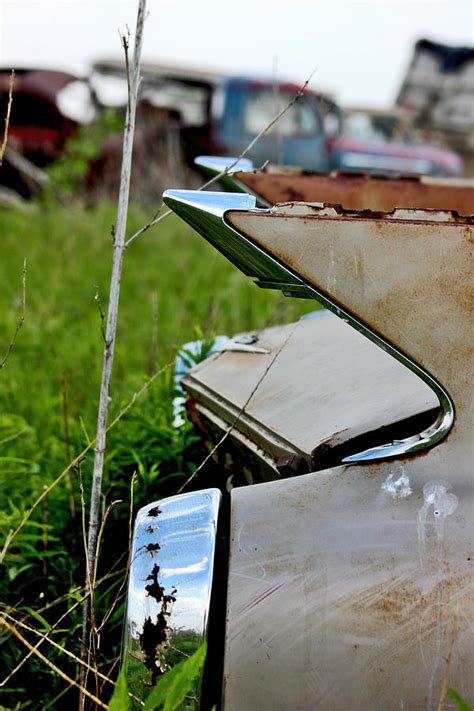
189	98
263	105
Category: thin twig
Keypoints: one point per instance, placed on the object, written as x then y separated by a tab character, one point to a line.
69	611
46	638
86	648
7	117
49	664
158	218
67	447
94	532
130	532
110	670
14	671
99	543
21	320
154	221
45	535
133	75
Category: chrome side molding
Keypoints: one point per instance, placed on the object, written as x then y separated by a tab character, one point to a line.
216	164
169	589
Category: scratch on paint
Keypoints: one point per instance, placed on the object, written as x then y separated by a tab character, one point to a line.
260	598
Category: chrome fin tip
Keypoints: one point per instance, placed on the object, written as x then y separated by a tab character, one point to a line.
229	164
215	203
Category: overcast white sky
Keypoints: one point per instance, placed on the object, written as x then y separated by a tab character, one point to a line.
359	49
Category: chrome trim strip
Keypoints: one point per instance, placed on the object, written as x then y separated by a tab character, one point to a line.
169	588
212	166
216	164
205	212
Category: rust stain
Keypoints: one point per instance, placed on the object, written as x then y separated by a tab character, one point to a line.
397	215
193	414
382	606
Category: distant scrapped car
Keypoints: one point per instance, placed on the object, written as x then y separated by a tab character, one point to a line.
437	93
47	107
355	191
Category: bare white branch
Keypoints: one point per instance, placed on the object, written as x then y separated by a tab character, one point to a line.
133	76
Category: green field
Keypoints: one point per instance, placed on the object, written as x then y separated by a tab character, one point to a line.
175	288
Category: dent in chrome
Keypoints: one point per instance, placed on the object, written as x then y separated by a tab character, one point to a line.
169	588
205	212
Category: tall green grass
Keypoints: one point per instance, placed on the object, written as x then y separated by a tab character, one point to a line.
175	287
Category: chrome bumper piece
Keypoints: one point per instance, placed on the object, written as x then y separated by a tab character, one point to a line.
169	590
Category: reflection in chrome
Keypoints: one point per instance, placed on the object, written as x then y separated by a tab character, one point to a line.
169	589
205	212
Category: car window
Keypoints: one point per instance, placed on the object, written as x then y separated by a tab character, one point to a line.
263	105
191	100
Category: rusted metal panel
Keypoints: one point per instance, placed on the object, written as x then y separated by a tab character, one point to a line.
285	401
359	191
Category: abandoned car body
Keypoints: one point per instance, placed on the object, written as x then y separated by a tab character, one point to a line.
354	191
349	586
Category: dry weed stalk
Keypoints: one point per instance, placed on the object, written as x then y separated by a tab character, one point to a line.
67	446
133	78
21	319
63	598
53	667
7	117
